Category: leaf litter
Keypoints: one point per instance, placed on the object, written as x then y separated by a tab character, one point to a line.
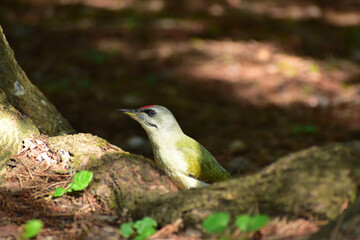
30	181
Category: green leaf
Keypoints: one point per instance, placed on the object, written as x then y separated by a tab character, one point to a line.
70	189
217	222
32	228
139	237
145	225
251	224
126	229
258	221
243	222
81	180
146	233
59	192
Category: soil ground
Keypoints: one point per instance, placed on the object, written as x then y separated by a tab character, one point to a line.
250	80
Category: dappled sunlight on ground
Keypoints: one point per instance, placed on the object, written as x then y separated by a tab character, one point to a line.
256	68
151	5
261	73
250	80
275	9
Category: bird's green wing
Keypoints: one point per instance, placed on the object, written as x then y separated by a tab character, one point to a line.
202	164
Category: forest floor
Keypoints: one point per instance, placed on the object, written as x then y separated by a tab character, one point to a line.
250	80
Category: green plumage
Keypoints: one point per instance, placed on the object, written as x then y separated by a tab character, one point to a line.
202	164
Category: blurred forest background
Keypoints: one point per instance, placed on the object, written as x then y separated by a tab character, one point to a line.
252	80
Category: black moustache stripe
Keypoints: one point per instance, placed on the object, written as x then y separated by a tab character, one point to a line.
151	124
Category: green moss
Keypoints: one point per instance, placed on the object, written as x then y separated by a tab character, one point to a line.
76	161
14	128
102	143
112	205
93	158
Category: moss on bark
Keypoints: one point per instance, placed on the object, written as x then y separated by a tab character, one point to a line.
14	128
312	183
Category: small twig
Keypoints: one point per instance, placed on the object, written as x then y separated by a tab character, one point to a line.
168	230
93	208
28	169
20	182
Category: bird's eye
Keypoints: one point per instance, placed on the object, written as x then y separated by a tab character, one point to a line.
151	113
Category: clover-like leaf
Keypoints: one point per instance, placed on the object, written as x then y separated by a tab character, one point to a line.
81	180
251	224
217	222
59	192
243	222
146	233
126	229
32	228
144	224
258	221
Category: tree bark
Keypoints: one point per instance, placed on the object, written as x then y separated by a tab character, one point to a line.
344	227
14	128
313	183
27	98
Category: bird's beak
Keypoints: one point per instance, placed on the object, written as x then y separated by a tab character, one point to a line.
130	112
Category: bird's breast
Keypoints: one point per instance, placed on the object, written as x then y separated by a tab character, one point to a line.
171	159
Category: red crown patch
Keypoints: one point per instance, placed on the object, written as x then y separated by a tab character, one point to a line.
148	106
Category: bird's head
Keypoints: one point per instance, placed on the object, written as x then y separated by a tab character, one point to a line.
154	118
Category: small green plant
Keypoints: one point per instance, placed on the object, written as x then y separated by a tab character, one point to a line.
251	224
126	229
218	223
143	228
80	181
32	228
